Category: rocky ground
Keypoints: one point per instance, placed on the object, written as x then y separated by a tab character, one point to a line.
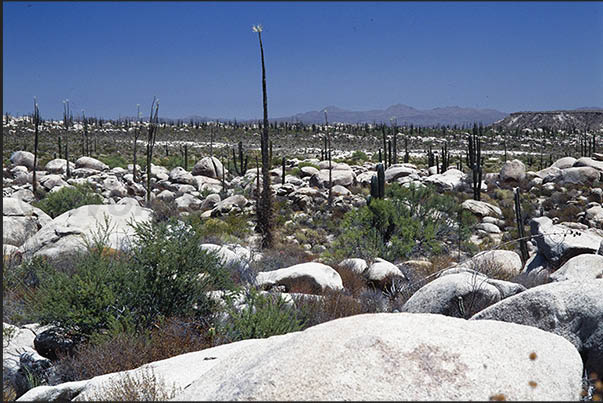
483	325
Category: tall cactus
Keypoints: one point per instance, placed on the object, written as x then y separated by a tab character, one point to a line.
378	183
68	171
186	157
151	137
36	123
240	165
523	245
266	213
395	144
283	176
406	155
445	158
384	145
475	164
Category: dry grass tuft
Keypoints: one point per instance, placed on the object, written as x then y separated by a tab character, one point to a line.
354	283
168	339
144	386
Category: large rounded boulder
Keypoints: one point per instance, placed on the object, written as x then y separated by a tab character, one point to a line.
208	166
22	158
20	221
571	309
513	171
91	163
386	356
310	278
460	294
70	232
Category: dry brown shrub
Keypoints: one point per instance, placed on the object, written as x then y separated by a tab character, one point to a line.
353	282
170	338
143	386
299	286
491	268
332	305
9	394
282	256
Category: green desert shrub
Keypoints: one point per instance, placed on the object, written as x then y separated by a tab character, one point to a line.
231	227
358	157
18	281
263	315
408	222
164	273
68	198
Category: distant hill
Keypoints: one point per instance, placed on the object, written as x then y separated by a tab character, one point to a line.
577	119
404	114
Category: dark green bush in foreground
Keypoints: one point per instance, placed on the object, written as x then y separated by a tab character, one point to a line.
164	274
68	198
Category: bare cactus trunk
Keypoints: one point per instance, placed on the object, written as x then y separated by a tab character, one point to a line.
265	217
36	122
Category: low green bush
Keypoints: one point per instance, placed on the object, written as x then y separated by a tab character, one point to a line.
68	198
165	273
410	221
264	315
231	227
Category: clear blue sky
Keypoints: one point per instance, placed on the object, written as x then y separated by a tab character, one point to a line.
202	58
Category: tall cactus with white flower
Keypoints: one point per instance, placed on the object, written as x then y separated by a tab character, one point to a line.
265	222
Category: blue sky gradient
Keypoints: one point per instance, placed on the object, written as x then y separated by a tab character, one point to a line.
202	58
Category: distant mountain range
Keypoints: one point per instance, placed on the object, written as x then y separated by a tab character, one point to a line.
577	119
407	115
403	114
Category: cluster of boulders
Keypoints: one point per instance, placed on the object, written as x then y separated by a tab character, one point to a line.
438	347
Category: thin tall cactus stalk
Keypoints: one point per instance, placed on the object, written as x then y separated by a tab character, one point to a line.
67	117
283	175
395	144
186	157
68	171
265	218
136	134
36	123
328	155
474	157
523	246
384	146
240	166
151	137
86	143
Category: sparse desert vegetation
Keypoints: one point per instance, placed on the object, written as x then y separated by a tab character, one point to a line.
391	254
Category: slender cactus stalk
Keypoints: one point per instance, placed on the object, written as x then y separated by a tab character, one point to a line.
36	122
186	157
68	172
136	134
151	137
67	121
523	246
265	222
283	176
